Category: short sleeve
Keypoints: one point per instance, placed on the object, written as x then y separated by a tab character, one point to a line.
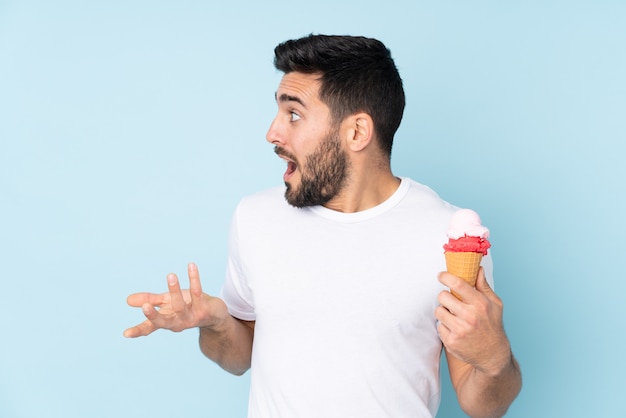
236	291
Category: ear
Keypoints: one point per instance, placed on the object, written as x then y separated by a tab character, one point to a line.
359	131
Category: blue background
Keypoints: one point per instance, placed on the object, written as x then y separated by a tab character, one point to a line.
130	129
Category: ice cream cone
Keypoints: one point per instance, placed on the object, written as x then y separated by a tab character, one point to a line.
464	265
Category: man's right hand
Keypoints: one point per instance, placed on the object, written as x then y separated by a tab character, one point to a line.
177	310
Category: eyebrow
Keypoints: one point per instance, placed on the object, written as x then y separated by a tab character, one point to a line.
287	98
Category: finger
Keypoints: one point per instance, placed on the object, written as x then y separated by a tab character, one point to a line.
195	287
442	314
176	295
482	284
483	287
445	315
156	318
456	284
449	280
136	300
446	336
449	302
141	330
443	331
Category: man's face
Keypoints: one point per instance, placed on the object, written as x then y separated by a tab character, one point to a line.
303	135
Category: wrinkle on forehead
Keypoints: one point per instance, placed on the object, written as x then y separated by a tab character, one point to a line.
299	87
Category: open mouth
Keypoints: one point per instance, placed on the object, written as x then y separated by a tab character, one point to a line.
292	166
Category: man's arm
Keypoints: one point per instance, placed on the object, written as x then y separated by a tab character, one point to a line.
483	371
223	338
230	346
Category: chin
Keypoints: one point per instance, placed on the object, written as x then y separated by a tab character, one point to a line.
291	195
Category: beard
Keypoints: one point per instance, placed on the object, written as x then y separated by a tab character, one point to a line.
322	176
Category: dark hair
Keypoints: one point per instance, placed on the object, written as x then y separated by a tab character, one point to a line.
357	75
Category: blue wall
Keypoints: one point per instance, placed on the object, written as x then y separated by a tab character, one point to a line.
130	129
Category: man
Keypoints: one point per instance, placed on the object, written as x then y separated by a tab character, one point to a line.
331	295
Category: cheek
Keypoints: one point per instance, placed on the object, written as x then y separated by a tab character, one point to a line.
308	142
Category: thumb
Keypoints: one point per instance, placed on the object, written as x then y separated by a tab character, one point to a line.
482	285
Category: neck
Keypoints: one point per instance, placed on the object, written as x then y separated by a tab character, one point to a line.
365	189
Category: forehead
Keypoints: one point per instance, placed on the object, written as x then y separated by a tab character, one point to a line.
299	87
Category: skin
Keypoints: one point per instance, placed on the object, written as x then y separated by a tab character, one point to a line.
223	338
483	371
323	173
303	121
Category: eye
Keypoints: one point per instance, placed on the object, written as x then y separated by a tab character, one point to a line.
294	116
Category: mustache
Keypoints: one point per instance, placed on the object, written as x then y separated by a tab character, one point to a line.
281	151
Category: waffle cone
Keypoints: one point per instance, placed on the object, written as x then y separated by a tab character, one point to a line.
464	265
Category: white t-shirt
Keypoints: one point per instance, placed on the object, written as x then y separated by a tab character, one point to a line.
343	302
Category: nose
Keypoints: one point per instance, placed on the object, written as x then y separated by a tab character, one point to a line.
273	135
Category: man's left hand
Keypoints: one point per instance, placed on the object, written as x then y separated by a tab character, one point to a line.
471	329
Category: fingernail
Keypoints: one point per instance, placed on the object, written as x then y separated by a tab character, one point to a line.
171	279
192	266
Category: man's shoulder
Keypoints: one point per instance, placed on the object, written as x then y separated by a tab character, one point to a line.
272	195
425	197
271	199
